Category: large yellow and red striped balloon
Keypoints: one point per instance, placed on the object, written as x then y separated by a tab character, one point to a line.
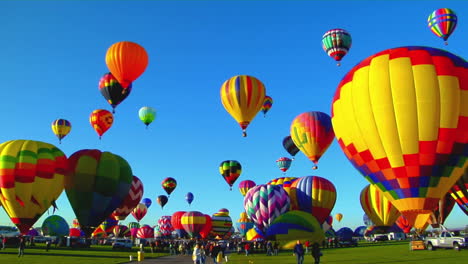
401	118
194	222
242	97
32	177
377	207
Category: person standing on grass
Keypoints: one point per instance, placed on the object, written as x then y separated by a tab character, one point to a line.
3	242
21	246
299	252
316	253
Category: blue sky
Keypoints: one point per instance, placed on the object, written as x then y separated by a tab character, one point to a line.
52	57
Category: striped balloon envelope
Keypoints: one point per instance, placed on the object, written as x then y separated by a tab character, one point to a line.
221	223
401	118
131	200
336	43
314	195
377	207
145	231
442	22
193	222
459	192
245	186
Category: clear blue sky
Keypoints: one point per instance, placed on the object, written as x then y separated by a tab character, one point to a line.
52	57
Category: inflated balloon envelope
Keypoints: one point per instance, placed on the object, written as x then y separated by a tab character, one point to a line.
401	118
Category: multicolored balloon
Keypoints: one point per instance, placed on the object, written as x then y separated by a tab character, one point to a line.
245	186
193	222
403	224
189	198
459	192
312	133
221	223
139	211
169	184
283	163
314	195
295	225
289	146
108	224
442	211
267	103
147	115
55	225
336	43
112	91
244	224
162	200
32	176
61	128
165	226
126	61
145	232
403	125
96	185
263	203
242	96
230	170
121	231
101	120
442	22
131	200
377	207
284	182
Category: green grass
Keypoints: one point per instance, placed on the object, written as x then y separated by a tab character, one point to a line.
376	253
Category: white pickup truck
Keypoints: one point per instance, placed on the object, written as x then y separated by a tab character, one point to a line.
446	239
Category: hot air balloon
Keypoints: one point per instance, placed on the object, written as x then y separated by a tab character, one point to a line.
101	120
206	230
336	43
403	125
55	225
96	185
377	207
283	163
327	224
75	223
121	231
133	226
230	170
162	200
367	221
147	115
32	177
244	224
169	184
442	22
74	232
359	231
189	198
145	232
312	133
263	203
242	97
139	211
289	146
284	182
267	103
131	200
459	192
177	225
442	210
221	223
338	217
245	186
403	224
61	128
165	226
193	222
108	224
314	195
112	90
126	61
147	202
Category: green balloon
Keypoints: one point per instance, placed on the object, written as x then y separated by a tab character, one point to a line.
147	115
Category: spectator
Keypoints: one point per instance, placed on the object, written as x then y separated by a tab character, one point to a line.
21	246
276	248
316	253
299	252
247	248
214	253
3	242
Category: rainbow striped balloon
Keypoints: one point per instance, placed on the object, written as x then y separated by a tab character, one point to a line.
442	22
377	207
459	192
263	203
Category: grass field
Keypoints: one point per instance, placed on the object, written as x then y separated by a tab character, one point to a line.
384	253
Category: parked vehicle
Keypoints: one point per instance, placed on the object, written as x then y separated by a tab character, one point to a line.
446	239
380	238
122	243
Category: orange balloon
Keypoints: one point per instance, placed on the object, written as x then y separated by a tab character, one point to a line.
101	120
126	61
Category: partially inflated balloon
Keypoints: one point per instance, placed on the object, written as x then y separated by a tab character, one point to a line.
245	186
169	184
242	97
61	128
112	91
126	61
131	200
267	103
459	192
101	120
147	115
230	170
295	225
189	198
139	211
55	225
32	177
312	133
96	185
400	117
289	146
377	207
162	200
442	22
336	43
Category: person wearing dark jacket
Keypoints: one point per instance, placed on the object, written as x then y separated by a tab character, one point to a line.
316	253
214	252
299	252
